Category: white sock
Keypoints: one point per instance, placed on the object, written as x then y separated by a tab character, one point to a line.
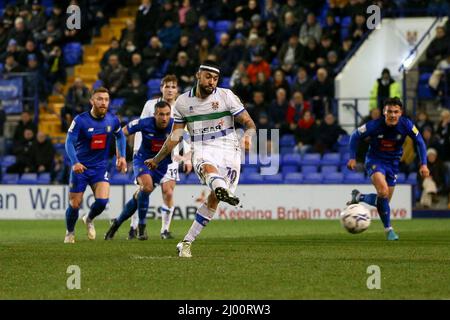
202	218
134	221
214	181
166	217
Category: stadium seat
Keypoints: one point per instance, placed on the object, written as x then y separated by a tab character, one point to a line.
116	104
192	179
313	178
182	177
424	91
293	178
291	159
44	178
309	169
222	26
73	53
10	178
274	178
285	150
345	170
288	169
225	82
328	169
97	84
311	159
8	160
401	178
354	177
412	178
120	178
153	85
343	140
250	169
331	159
28	178
345	156
333	178
287	140
253	178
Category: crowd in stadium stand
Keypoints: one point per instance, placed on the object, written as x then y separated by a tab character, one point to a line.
279	57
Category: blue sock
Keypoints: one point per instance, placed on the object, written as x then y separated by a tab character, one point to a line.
97	208
370	198
128	210
143	201
71	218
384	211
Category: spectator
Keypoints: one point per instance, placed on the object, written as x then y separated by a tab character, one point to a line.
130	49
154	55
19	33
3	39
238	51
435	183
239	26
423	121
239	72
38	18
113	49
321	94
56	69
204	31
11	65
187	16
35	82
296	9
297	107
184	69
358	28
60	171
332	29
30	48
51	35
310	55
310	28
258	105
273	39
147	19
203	50
347	46
128	34
443	135
385	87
257	65
43	153
263	84
326	45
77	101
438	49
168	11
184	45
244	89
113	75
279	81
305	133
135	97
257	26
25	122
290	54
24	154
247	11
328	134
270	10
291	25
58	17
169	34
431	140
278	109
223	53
137	68
332	64
302	81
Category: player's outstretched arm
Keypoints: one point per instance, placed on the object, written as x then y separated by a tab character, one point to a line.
422	151
71	138
175	137
250	128
354	141
121	143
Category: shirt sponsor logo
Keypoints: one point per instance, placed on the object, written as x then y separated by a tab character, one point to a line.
90	129
216	128
98	142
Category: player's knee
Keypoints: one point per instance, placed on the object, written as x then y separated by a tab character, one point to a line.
75	204
383	193
168	194
147	188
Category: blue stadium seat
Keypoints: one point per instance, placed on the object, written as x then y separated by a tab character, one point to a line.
345	156
424	91
10	178
328	169
182	177
331	159
412	178
120	178
287	140
274	178
291	159
354	177
162	70
311	159
346	21
293	178
116	104
285	150
28	178
222	26
218	34
8	160
250	169
345	170
192	179
72	53
309	169
424	77
44	178
313	178
225	82
97	84
333	178
253	178
343	140
289	169
401	178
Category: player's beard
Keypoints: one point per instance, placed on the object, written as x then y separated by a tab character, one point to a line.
203	91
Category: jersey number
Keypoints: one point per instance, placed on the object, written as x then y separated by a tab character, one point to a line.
231	174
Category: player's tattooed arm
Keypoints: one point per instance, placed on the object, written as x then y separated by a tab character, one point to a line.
250	128
175	137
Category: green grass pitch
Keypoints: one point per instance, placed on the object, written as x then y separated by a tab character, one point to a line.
231	260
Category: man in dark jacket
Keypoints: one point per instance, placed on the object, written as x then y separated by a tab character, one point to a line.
43	153
328	134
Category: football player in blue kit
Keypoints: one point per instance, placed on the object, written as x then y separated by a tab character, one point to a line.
154	131
386	135
87	146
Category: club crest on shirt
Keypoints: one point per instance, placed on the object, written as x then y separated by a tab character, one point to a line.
399	136
191	109
374	167
215	105
108	129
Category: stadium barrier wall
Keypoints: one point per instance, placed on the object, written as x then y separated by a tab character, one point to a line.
272	202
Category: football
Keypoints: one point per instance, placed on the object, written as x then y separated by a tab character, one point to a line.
355	218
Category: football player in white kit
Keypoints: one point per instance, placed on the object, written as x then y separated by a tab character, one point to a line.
209	114
169	90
